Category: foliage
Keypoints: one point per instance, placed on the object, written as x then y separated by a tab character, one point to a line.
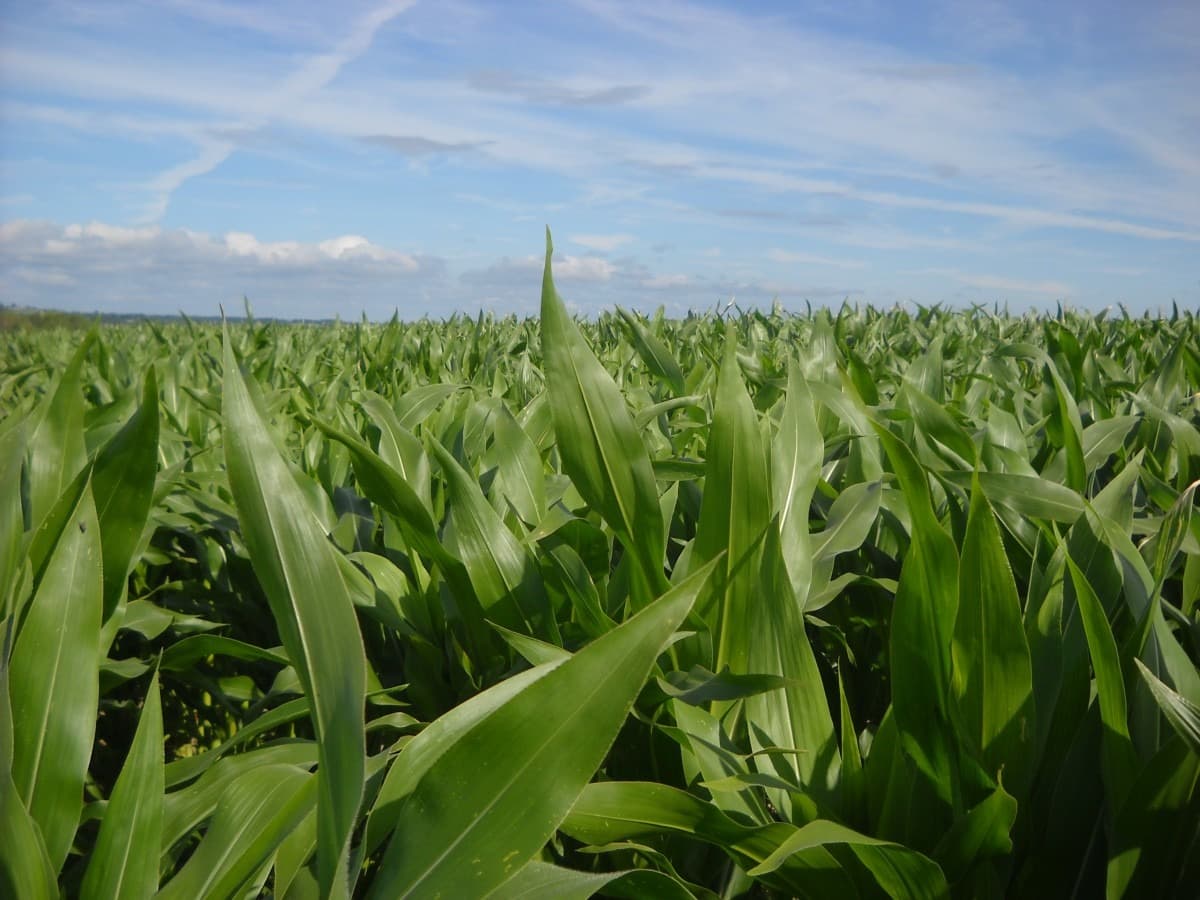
858	603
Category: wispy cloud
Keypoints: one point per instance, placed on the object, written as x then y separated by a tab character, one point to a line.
543	92
415	145
977	138
311	76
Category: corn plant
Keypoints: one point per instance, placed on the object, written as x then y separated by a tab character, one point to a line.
743	604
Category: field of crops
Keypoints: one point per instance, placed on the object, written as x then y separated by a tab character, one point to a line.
850	604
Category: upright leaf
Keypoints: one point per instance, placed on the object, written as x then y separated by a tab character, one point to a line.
123	485
734	514
293	560
922	629
1119	760
796	455
600	446
132	822
55	673
25	868
55	443
993	676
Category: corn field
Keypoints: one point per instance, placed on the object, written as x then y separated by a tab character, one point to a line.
857	603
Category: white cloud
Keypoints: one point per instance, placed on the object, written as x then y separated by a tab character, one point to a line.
584	268
151	269
602	242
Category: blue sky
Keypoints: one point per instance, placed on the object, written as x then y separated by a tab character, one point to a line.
331	159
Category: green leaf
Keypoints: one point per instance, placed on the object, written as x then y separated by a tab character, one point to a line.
899	871
993	676
256	813
56	450
12	516
467	827
734	515
123	485
294	561
796	456
922	628
1183	715
521	476
543	881
25	867
979	835
1026	495
1119	760
700	687
611	811
55	663
1155	830
658	359
187	808
599	444
1072	431
503	575
132	822
795	716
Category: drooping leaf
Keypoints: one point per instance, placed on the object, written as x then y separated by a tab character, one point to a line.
542	746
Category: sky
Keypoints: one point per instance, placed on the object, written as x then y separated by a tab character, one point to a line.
371	157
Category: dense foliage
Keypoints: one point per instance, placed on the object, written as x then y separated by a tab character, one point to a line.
855	604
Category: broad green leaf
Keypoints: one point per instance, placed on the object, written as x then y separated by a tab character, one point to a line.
293	560
932	419
993	676
256	812
399	447
187	808
1155	830
796	716
1120	761
599	444
25	867
521	476
120	866
658	358
1183	715
796	455
922	629
543	881
55	443
901	873
123	486
1026	495
982	834
541	747
502	573
853	802
55	665
12	522
1072	431
734	515
624	810
420	754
